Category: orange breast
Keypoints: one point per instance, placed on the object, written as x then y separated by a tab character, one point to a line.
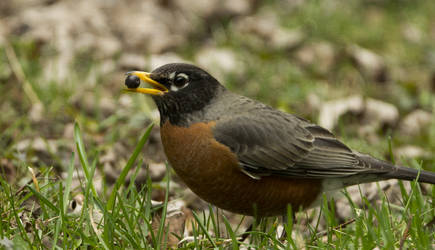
211	170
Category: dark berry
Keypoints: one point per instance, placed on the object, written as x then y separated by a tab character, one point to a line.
132	81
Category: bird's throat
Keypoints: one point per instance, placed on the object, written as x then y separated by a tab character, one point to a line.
182	109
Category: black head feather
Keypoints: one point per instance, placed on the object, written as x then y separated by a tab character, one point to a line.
190	90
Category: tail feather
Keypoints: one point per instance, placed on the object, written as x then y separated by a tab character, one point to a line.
386	170
410	174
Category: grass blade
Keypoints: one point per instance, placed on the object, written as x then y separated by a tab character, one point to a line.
68	183
81	149
231	233
204	230
82	154
123	175
163	217
43	199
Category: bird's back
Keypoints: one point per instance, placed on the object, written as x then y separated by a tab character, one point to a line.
271	142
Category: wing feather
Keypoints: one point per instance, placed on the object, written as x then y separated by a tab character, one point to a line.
268	141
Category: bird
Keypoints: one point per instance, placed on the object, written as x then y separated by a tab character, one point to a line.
246	157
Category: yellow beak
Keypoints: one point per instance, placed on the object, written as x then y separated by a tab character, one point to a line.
159	89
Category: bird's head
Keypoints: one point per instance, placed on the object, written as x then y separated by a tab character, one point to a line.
179	89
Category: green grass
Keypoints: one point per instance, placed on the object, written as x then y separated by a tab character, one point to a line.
125	219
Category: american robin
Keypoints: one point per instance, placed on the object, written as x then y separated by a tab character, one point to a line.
246	157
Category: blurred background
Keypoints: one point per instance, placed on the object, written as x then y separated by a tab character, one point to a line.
364	69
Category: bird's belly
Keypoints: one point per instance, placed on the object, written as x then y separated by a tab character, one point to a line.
211	170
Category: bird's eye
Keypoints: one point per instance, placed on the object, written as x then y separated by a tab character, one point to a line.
181	80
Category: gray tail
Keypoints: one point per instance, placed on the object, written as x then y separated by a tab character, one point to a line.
410	174
385	170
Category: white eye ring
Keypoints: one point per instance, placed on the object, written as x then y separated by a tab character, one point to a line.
180	81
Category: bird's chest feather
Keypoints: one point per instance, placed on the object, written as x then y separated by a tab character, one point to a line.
211	170
195	155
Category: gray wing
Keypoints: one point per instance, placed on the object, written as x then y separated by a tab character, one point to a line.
270	142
